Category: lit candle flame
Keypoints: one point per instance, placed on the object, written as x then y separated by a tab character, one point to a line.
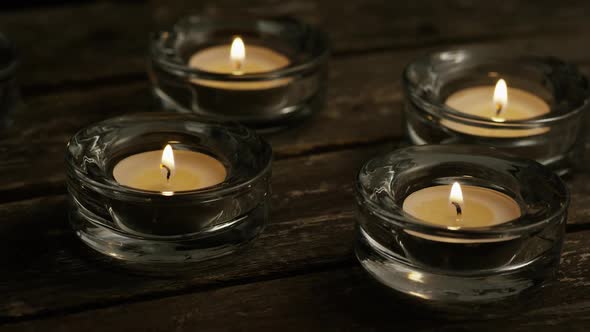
456	199
167	164
237	55
500	99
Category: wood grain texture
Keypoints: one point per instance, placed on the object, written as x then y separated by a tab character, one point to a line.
84	63
56	272
336	300
311	229
355	115
79	42
360	26
105	42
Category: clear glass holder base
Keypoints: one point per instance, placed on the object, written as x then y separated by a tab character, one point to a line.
497	292
562	164
180	249
277	120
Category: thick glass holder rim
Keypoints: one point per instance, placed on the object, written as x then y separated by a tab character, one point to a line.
512	228
437	107
175	66
112	188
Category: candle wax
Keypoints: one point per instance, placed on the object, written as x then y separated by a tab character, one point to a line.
482	207
258	60
193	170
478	101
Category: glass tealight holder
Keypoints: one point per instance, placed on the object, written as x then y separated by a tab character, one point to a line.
556	96
458	269
9	94
144	226
280	79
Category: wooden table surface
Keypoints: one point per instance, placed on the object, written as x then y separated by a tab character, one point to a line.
86	62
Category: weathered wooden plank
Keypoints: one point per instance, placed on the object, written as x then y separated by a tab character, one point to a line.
33	151
364	96
336	300
79	42
376	24
56	274
312	227
579	186
108	41
356	114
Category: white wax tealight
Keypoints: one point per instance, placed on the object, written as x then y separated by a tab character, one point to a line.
460	207
498	104
168	172
239	60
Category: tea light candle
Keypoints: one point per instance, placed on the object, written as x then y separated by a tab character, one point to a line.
460	207
459	246
237	61
497	104
167	171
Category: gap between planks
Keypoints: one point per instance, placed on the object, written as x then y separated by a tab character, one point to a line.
322	297
38	90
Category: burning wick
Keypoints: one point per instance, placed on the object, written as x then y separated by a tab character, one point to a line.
168	171
458	208
498	109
